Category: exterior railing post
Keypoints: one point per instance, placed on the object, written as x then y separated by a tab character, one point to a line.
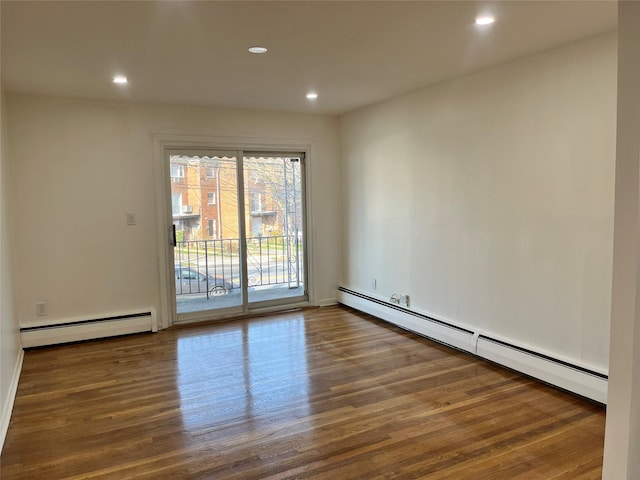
206	266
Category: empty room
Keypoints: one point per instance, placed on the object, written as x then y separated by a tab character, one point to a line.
319	239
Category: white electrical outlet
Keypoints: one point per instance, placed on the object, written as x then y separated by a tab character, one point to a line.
41	309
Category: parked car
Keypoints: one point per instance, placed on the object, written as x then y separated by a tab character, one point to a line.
189	280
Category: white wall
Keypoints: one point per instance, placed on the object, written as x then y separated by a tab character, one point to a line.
78	166
10	350
622	435
489	199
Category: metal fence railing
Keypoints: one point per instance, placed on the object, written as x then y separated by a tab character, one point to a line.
213	266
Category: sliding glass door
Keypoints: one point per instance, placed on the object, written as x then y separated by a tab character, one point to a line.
238	231
206	253
274	225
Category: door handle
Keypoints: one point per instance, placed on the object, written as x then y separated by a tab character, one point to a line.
174	241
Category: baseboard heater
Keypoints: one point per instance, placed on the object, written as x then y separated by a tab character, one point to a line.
568	376
89	329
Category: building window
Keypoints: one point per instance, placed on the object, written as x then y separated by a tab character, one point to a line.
177	171
212	228
211	198
211	173
256	202
176	203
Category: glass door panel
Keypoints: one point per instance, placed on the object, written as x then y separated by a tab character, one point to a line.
274	226
207	253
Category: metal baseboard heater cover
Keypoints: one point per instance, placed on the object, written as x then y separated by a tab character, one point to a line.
567	376
90	329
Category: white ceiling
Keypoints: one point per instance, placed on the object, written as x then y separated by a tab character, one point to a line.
352	53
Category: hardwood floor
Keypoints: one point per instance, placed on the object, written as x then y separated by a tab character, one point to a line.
324	393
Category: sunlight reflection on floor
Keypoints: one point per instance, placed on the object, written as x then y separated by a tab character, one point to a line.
273	376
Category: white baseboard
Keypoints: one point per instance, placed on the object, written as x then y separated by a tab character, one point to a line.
121	324
569	377
7	406
572	377
327	302
440	331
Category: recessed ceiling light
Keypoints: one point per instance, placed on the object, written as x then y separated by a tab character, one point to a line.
485	20
312	95
120	79
257	50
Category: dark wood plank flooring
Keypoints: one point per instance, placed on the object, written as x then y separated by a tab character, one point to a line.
322	393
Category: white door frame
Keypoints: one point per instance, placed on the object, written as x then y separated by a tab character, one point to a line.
161	143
